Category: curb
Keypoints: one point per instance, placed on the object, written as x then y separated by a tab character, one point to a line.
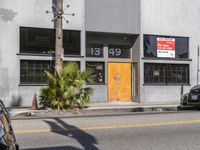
89	112
134	108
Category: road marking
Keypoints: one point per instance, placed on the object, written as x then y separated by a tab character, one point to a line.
109	127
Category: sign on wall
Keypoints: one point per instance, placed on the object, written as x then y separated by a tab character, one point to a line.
166	47
119	51
94	50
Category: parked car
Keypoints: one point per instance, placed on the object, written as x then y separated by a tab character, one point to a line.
7	137
192	98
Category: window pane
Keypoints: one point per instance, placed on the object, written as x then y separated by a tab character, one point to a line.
34	72
166	73
71	42
182	47
150	44
98	68
179	74
37	40
42	41
154	73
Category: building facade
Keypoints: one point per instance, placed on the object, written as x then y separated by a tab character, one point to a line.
141	51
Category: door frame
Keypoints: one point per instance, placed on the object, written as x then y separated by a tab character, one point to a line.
131	89
135	70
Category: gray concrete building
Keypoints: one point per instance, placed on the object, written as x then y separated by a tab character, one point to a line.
141	50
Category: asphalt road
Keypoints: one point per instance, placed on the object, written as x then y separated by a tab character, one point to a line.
128	131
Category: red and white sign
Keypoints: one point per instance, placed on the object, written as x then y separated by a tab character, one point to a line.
166	47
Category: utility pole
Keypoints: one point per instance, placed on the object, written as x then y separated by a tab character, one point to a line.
58	16
59	36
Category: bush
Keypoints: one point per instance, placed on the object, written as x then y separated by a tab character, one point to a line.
66	90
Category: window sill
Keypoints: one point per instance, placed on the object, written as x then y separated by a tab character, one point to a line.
34	54
151	84
175	59
96	84
32	84
73	56
46	55
119	57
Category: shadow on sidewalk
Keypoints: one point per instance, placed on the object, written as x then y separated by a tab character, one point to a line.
86	140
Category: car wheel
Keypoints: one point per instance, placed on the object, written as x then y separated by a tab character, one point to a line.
3	147
17	147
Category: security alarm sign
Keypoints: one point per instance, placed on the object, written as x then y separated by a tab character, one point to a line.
166	47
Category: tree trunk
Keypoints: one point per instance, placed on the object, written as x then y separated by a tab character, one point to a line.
59	37
58	108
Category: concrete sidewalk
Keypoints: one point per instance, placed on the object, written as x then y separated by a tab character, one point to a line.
93	109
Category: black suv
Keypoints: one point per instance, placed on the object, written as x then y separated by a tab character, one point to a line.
192	98
7	137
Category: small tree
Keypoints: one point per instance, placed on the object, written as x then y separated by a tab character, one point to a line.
66	90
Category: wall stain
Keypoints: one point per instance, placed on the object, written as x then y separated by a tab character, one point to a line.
7	14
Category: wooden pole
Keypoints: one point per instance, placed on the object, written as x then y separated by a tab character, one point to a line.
59	37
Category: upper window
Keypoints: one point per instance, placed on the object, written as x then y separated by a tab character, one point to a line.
37	40
166	46
166	74
42	41
71	42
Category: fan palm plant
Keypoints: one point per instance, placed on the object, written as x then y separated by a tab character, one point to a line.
66	90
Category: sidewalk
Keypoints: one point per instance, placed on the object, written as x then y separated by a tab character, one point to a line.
94	109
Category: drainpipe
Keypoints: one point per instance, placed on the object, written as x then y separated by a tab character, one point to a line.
198	65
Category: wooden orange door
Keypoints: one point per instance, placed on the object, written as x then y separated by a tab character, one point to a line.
119	82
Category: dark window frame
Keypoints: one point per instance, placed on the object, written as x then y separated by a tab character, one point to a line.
95	73
34	69
154	52
166	74
43	42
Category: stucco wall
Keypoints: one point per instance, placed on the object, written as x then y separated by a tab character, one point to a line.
161	17
175	18
121	16
30	13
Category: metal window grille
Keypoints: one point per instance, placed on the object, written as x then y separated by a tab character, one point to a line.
32	71
164	74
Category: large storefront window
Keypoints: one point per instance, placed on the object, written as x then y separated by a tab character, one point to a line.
32	71
37	40
166	74
156	46
42	41
98	71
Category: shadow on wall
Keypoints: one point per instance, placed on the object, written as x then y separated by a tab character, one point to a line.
7	14
86	140
54	10
16	101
